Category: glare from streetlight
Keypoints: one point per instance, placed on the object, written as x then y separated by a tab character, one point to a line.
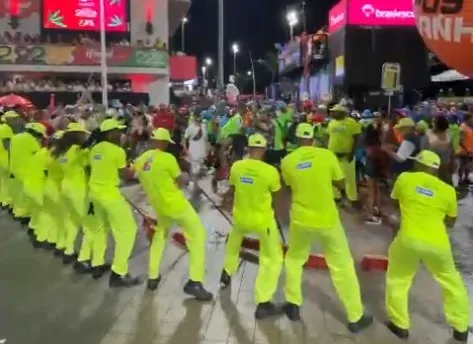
248	73
292	18
208	61
184	20
235	48
204	69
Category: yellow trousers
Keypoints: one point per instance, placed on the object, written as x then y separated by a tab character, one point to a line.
34	193
54	211
349	170
117	214
21	203
270	258
404	258
5	198
196	236
339	261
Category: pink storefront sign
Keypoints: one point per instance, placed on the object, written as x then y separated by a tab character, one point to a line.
337	17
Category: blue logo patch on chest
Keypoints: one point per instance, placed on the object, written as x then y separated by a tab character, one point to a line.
304	165
98	157
424	191
246	180
63	160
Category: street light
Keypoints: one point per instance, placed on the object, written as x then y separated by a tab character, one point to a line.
235	51
208	61
249	73
292	20
183	34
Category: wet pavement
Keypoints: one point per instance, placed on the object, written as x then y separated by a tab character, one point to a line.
41	301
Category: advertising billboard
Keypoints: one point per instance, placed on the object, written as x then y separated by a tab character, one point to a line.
85	15
381	13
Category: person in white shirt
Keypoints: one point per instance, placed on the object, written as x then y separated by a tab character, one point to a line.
195	143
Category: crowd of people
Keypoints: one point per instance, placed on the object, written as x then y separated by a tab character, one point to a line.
66	179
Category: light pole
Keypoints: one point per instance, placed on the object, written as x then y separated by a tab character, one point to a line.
103	55
207	63
183	34
221	48
235	51
292	20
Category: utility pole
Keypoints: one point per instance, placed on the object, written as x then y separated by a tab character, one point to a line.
221	53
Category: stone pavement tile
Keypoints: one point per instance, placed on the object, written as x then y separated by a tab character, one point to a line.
242	326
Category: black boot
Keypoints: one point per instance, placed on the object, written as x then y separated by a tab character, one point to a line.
265	310
83	267
99	271
118	281
153	283
225	279
460	336
68	259
197	290
49	246
365	321
30	231
397	331
37	244
59	252
292	311
24	220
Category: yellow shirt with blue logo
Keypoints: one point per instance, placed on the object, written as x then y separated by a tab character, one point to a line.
341	134
73	164
309	172
254	182
22	148
424	200
106	160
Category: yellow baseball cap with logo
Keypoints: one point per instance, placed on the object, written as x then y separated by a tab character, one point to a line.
338	108
111	124
257	141
305	131
37	128
427	158
76	127
10	114
162	134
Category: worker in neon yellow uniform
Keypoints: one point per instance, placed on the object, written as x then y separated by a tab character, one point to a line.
254	182
22	148
53	203
343	134
428	206
107	164
6	133
161	179
33	186
310	172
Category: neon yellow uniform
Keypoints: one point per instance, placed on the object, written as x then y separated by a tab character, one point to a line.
53	202
33	186
310	172
106	159
6	133
75	196
232	127
22	148
341	140
424	201
254	182
157	172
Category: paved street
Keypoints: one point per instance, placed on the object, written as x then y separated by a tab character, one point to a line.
41	301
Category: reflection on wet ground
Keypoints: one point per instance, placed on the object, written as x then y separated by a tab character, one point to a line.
41	301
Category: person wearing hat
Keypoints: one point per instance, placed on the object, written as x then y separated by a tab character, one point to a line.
343	133
161	178
23	146
6	133
108	163
410	146
254	183
428	207
310	173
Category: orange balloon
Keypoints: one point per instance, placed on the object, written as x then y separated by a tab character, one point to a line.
447	29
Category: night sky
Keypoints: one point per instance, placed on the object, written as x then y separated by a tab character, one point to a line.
253	24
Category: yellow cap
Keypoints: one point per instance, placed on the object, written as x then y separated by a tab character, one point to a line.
10	114
305	131
257	140
405	122
339	108
422	125
37	127
76	127
58	134
428	158
161	134
111	124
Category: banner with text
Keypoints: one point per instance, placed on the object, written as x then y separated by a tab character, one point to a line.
64	55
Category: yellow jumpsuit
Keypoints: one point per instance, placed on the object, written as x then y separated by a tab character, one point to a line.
6	133
424	201
157	172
